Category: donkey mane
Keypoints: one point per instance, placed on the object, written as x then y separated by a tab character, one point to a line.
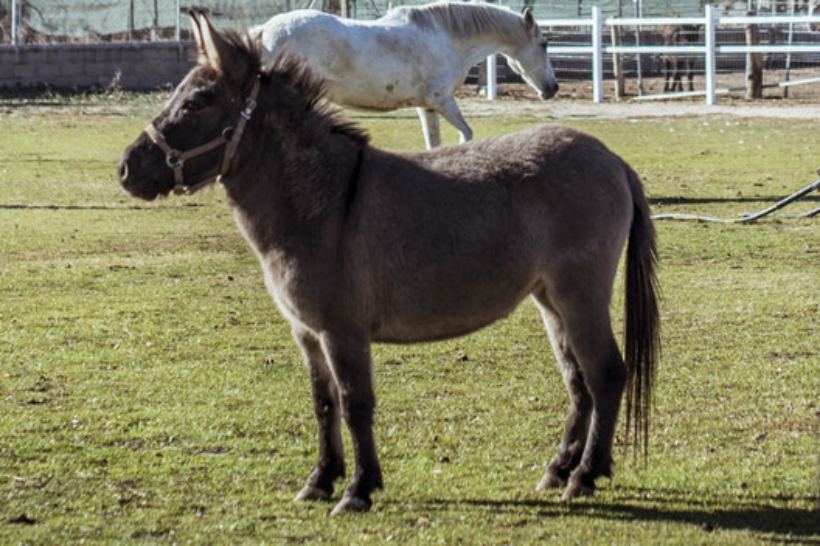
307	89
466	20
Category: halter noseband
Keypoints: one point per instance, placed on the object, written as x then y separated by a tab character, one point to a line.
230	138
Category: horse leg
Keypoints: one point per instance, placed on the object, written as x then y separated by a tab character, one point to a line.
326	406
449	109
667	72
604	374
430	127
580	402
349	358
690	74
677	85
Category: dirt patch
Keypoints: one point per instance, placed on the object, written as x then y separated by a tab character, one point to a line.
574	99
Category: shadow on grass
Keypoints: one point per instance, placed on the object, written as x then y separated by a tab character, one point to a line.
755	514
677	200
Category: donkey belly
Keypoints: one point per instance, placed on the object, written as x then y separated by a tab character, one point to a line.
452	303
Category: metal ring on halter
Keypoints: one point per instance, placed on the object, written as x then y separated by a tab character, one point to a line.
174	161
227	132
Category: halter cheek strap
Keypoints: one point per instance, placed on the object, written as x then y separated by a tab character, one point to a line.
229	138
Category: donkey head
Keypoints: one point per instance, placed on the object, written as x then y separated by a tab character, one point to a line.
192	140
530	60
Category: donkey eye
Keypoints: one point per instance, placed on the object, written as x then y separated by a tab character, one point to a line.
197	102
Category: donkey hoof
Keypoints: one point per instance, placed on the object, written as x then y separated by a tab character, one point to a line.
312	493
351	504
550	481
574	490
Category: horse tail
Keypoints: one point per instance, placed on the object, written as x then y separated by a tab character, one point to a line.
642	342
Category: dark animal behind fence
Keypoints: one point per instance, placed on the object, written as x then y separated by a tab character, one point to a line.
674	64
360	245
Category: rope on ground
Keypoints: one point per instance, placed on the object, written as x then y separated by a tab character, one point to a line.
749	218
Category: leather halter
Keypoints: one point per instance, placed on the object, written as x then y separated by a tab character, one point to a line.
229	138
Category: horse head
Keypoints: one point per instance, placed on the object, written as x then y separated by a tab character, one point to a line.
530	61
190	143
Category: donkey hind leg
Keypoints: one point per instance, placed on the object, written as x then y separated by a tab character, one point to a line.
326	406
430	127
449	109
349	358
584	317
590	337
580	402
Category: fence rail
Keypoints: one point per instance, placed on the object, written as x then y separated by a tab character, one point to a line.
710	49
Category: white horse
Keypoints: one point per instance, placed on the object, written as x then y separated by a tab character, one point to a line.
413	56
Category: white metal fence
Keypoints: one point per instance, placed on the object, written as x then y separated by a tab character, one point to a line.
709	50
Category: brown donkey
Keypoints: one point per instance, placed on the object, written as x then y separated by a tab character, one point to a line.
360	245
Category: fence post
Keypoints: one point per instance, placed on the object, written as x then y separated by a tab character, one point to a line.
709	39
789	54
177	26
617	64
754	65
492	74
597	55
14	22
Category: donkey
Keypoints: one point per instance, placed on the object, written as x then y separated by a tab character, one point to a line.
674	64
413	56
359	245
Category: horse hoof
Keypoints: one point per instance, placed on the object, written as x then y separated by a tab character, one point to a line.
550	481
311	493
574	490
351	504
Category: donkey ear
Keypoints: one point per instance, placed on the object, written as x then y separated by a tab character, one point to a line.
202	56
216	50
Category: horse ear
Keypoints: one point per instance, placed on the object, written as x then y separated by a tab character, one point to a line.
529	20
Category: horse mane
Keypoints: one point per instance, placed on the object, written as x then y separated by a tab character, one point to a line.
307	89
465	20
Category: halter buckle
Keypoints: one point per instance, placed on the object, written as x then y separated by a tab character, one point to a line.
250	106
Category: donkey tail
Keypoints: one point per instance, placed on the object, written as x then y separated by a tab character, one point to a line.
642	342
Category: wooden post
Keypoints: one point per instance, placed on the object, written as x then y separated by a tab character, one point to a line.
754	65
131	20
155	22
617	64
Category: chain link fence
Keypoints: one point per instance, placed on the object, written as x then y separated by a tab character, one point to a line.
87	21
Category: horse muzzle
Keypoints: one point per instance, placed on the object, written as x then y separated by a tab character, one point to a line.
549	91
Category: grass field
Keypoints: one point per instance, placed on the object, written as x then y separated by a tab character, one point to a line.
150	393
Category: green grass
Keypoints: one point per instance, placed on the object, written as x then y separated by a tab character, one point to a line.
150	392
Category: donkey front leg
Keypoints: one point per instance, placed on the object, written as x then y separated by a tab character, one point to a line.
326	406
349	358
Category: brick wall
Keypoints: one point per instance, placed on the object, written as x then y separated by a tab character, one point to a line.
140	65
